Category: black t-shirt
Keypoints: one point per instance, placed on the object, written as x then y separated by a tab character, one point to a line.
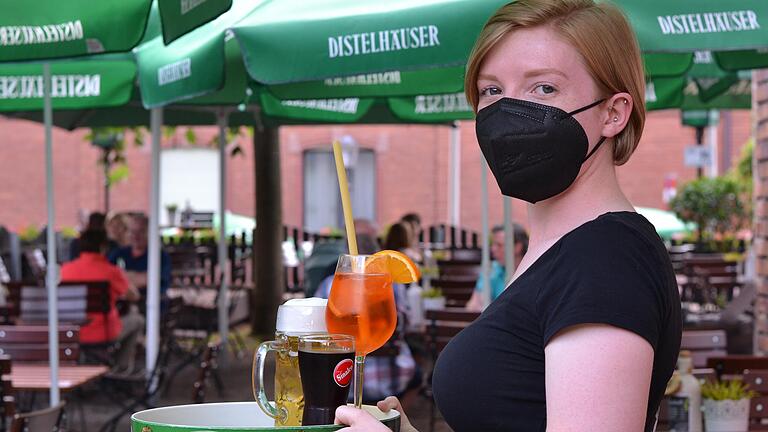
612	270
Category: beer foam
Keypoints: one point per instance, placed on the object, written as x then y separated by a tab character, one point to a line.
297	316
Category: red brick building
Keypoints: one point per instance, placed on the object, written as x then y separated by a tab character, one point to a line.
411	169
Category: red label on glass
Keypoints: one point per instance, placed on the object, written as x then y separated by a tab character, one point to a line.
342	373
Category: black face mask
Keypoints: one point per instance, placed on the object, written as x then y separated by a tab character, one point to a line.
535	151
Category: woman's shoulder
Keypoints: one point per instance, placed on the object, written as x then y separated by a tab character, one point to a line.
615	230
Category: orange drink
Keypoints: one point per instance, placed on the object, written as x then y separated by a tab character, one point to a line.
363	306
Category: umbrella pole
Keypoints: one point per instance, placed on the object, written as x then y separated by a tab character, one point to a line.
455	175
509	241
51	275
222	246
486	256
153	266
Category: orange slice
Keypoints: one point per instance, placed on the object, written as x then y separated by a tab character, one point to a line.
399	266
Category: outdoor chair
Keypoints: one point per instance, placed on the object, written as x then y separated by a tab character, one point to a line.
450	269
133	393
76	300
758	412
704	344
737	364
457	292
442	325
208	364
7	401
467	255
29	343
44	420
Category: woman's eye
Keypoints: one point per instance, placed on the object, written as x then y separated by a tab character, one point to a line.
544	89
490	91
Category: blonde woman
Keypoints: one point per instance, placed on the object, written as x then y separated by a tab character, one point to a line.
588	334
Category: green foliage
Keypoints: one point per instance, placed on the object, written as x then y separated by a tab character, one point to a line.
432	293
715	204
69	232
191	136
29	234
726	390
118	173
171	207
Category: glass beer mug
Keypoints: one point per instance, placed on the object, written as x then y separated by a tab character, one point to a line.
295	318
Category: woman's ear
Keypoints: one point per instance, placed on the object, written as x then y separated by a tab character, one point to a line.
619	109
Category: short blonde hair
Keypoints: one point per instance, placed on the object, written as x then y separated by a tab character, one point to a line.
600	33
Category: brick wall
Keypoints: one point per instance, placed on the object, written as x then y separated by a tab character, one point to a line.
760	112
411	163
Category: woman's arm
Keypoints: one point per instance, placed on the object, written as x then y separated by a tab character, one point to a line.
597	379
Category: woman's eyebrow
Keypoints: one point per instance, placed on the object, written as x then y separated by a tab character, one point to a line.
545	71
487	77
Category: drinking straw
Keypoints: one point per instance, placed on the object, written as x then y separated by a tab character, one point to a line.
346	204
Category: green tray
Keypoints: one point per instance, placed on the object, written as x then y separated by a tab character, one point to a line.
230	417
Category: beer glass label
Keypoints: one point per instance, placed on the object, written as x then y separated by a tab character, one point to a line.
342	373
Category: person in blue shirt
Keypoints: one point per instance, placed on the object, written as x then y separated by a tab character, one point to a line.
133	258
498	274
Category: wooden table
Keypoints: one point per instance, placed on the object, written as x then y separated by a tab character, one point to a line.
37	377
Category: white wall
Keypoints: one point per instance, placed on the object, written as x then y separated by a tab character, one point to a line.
189	175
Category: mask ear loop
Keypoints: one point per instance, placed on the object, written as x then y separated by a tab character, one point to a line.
602	139
597	146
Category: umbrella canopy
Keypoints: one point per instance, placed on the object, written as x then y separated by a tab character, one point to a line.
181	16
50	29
666	223
736	32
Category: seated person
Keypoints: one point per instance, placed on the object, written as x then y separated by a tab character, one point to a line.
498	274
133	258
92	265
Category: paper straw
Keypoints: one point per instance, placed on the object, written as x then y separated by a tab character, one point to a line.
346	204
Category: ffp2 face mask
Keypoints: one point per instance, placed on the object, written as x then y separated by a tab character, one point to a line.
534	151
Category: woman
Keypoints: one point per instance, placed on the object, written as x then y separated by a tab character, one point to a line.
587	336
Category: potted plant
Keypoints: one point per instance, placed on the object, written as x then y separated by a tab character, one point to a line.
433	299
171	209
726	405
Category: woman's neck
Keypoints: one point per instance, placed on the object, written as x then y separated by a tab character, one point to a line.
595	192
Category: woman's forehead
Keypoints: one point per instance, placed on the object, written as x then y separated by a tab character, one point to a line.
532	51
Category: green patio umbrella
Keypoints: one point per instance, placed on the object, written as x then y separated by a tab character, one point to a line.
45	30
181	16
670	32
666	223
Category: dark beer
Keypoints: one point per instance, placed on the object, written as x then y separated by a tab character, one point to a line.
326	376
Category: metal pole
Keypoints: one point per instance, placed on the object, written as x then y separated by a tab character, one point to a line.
106	180
223	265
153	266
486	257
509	241
51	275
455	175
714	167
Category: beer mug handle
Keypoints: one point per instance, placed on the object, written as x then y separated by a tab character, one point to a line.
258	374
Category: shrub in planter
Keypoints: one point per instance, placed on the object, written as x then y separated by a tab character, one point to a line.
714	204
726	405
433	299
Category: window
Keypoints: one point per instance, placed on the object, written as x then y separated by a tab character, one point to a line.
322	202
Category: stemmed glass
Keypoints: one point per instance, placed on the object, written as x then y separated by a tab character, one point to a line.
362	304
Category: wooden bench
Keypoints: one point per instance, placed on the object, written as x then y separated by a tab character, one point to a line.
457	292
704	344
29	343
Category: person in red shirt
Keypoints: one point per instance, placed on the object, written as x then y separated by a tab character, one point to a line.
92	265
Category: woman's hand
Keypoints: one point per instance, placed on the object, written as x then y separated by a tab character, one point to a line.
361	421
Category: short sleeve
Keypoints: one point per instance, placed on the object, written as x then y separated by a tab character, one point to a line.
606	273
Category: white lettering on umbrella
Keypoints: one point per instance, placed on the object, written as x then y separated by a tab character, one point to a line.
32	35
441	103
344	106
650	92
382	78
709	22
175	71
383	41
62	86
188	5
